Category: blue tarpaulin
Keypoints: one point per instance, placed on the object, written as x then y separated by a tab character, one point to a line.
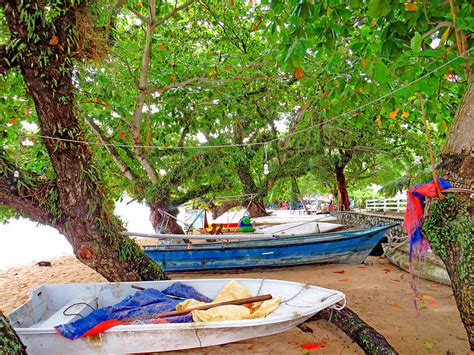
137	308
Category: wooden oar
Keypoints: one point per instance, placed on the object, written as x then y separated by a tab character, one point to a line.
204	307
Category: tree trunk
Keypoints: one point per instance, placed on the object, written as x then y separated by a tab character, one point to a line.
83	211
363	334
449	222
344	202
256	207
163	222
9	341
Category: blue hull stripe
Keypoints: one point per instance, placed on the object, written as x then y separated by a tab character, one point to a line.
339	247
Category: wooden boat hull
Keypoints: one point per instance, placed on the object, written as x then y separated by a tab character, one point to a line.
338	247
33	323
430	267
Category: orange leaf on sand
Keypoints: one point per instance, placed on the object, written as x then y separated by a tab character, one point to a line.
433	304
292	343
122	135
386	270
54	41
311	346
347	279
410	7
362	266
393	114
428	297
395	305
298	73
339	271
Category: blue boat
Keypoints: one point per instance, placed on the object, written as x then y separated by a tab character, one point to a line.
338	247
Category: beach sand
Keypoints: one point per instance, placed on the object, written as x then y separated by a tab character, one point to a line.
378	292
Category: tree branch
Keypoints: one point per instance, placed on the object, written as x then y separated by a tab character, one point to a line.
191	194
437	28
6	60
145	20
129	174
172	13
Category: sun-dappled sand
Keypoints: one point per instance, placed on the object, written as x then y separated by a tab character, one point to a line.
379	292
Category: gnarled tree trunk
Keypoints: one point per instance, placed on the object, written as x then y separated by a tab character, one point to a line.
344	202
163	220
83	215
9	341
449	223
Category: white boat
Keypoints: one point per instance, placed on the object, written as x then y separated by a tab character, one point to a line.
34	321
293	219
297	228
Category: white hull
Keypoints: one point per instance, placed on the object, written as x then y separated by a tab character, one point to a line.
294	229
292	219
35	319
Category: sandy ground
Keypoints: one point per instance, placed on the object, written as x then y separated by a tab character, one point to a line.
379	292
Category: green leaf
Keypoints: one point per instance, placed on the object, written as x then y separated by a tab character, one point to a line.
381	72
415	43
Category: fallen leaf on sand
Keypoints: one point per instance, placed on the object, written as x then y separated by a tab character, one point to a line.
346	279
433	304
428	297
395	305
292	343
396	280
362	266
428	345
386	270
339	271
311	346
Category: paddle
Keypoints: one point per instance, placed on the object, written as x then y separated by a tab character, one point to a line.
204	307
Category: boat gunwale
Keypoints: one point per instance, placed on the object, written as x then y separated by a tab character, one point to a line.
333	296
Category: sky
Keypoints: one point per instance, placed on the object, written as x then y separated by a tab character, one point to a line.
23	241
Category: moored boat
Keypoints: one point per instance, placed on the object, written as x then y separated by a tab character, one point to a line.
429	267
50	305
295	229
337	247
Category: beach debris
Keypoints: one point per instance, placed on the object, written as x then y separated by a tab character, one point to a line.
305	328
339	271
44	263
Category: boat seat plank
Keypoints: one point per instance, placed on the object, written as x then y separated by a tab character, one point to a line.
75	309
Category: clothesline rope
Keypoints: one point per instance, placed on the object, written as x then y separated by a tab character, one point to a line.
264	143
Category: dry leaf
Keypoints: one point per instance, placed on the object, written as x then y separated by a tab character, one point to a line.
347	279
393	114
395	305
410	7
54	41
362	266
339	271
298	73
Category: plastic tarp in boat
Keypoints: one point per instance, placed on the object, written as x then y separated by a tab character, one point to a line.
140	308
142	304
232	291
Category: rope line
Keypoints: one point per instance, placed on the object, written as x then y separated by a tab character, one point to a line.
264	143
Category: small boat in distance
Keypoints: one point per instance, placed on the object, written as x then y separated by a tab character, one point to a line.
351	246
52	305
